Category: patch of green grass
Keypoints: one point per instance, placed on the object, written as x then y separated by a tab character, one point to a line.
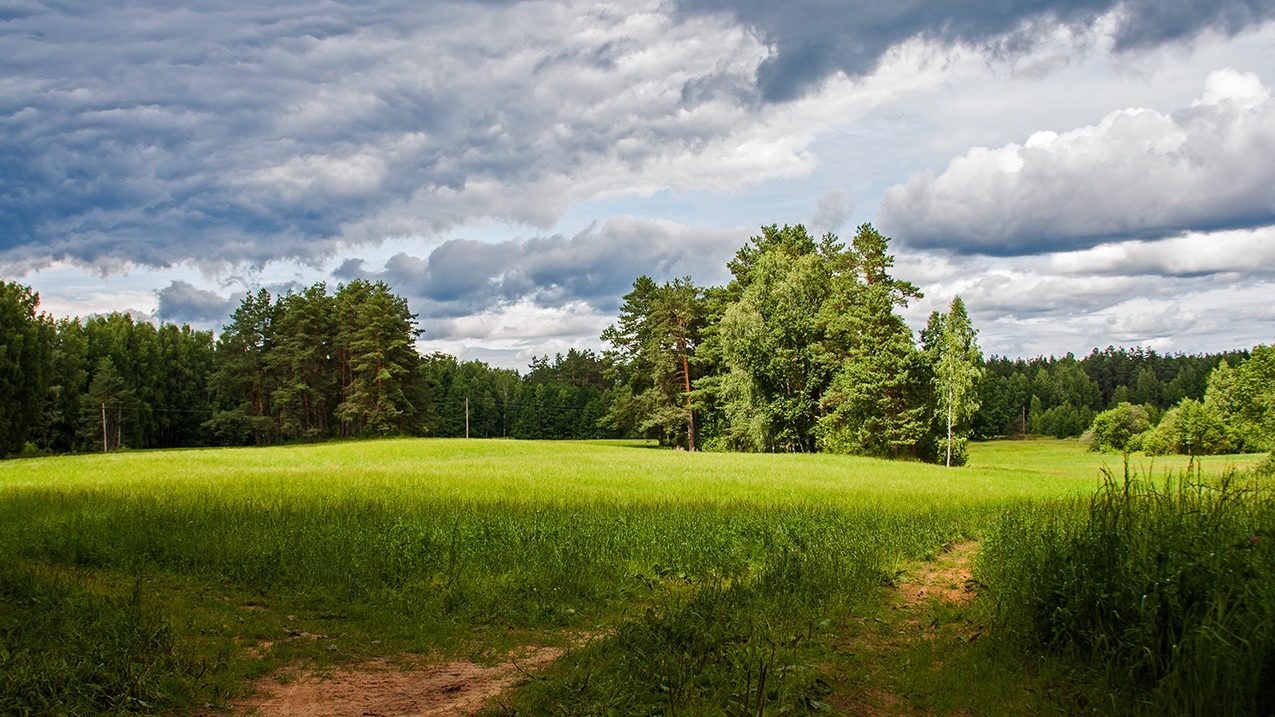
67	648
715	568
406	472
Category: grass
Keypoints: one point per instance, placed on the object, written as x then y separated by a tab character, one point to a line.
723	580
1163	587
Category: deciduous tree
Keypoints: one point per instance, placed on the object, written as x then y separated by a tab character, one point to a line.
957	371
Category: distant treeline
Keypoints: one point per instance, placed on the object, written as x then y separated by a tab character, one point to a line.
803	350
302	366
1061	396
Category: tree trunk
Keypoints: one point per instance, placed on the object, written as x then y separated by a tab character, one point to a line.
690	410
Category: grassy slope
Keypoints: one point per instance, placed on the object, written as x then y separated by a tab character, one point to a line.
415	544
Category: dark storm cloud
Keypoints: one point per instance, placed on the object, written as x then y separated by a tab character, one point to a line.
815	38
596	267
182	303
152	133
126	132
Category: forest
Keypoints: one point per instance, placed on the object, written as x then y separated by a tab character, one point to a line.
803	350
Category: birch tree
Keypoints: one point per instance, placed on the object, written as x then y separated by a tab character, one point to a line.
958	368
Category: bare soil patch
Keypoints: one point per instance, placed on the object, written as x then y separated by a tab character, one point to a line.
947	578
380	689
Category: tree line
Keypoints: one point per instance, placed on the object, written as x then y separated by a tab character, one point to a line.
1236	414
1060	397
804	349
301	366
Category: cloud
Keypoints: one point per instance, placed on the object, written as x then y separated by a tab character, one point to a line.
509	336
1021	309
155	134
1249	252
464	277
1168	295
833	212
1136	174
182	303
814	39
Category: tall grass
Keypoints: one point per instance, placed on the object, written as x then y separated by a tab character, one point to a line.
1166	588
66	650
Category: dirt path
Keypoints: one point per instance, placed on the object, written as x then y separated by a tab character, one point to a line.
947	578
924	587
418	689
380	689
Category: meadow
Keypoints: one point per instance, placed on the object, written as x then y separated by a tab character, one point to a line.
146	582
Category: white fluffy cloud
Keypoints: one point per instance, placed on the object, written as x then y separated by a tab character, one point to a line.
1138	173
1249	252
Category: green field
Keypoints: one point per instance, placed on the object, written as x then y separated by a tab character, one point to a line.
145	581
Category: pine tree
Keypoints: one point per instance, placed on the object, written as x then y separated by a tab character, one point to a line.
375	345
107	409
302	362
875	403
25	338
243	384
652	352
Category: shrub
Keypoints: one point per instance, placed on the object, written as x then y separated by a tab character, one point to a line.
1114	428
1190	428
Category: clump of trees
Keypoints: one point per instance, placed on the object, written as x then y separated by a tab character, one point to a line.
310	364
97	384
301	366
804	350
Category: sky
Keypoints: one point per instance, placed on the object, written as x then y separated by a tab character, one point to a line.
1083	174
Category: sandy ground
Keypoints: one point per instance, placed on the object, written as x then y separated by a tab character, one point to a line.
947	578
379	689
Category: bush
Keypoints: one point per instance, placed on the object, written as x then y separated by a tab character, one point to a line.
1190	428
1113	429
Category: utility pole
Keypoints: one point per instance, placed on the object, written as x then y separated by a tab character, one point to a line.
104	427
467	416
